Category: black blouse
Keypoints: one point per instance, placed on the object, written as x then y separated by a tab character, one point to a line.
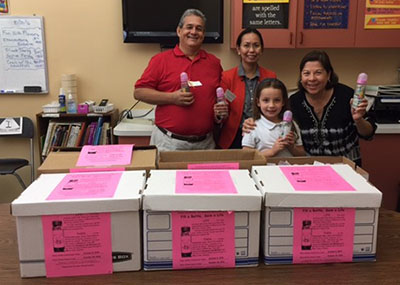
336	133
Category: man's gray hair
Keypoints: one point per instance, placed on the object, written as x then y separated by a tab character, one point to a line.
190	12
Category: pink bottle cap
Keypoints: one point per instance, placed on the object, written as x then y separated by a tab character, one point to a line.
362	78
184	77
220	92
287	116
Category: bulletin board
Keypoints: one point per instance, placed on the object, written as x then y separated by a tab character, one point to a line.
23	65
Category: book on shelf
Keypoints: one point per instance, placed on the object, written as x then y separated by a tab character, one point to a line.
104	131
81	135
63	134
97	133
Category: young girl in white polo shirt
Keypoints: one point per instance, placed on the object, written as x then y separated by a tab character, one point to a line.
269	104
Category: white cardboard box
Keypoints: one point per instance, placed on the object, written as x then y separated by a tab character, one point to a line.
160	199
280	199
124	207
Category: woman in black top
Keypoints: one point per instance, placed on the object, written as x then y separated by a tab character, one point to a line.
322	109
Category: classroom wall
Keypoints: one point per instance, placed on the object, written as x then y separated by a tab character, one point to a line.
85	38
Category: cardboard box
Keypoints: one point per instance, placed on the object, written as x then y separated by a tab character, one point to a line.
160	202
143	158
124	206
180	159
318	159
281	199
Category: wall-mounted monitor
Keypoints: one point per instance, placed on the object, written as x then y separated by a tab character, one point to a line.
155	21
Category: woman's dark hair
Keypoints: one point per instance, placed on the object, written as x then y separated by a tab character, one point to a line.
249	31
323	58
270	83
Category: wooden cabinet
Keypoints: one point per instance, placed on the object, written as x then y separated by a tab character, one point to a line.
43	120
374	38
273	38
297	36
381	158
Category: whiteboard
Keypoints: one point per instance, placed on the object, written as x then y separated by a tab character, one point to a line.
22	54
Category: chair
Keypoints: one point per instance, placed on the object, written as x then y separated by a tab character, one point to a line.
11	165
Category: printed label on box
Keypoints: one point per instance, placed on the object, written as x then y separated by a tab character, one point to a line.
81	186
96	169
204	182
203	240
104	155
323	235
315	178
231	165
78	244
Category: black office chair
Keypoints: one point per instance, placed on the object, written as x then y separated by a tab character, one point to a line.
11	165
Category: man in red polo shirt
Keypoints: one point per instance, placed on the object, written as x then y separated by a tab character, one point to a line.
184	120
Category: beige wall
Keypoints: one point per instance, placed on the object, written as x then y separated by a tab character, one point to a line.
85	37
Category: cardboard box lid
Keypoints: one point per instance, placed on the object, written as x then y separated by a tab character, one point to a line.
159	194
278	192
62	161
32	202
180	159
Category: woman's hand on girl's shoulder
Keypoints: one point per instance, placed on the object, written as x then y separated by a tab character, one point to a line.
248	125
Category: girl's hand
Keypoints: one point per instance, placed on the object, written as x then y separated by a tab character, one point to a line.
279	145
290	139
359	112
248	125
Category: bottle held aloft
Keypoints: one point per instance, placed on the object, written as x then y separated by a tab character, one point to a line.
286	124
360	89
185	82
221	101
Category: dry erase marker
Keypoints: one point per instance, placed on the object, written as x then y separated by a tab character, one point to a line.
7	91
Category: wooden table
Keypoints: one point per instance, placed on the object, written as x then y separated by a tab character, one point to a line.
386	270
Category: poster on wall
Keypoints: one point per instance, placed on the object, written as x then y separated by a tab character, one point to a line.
382	14
3	6
321	14
263	14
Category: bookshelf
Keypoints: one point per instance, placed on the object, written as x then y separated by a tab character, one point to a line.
71	129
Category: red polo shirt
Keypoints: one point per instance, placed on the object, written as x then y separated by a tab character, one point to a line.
163	74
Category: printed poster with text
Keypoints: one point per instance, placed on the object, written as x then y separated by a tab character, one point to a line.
78	244
204	182
323	235
86	186
203	240
105	155
315	178
382	14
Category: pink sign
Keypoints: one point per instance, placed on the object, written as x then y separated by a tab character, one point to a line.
96	169
315	178
232	165
204	182
84	186
77	245
104	155
323	235
203	240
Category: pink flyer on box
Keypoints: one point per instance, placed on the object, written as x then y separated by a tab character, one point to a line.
78	244
315	178
203	240
231	165
83	186
104	155
96	169
204	182
323	235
